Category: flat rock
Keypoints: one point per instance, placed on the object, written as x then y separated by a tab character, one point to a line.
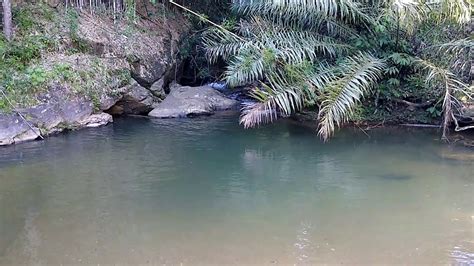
184	101
14	130
49	118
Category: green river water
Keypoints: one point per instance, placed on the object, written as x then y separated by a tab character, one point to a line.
206	191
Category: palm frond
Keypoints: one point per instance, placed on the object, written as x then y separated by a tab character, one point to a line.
359	74
346	10
247	66
297	46
286	93
292	46
323	75
456	46
406	13
250	60
219	44
459	52
279	97
258	113
457	10
314	22
443	78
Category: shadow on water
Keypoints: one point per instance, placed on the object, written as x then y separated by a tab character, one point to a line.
395	177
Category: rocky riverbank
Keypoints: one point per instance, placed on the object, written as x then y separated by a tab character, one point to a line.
58	114
100	68
87	68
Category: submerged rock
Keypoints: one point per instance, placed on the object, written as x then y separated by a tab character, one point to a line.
184	101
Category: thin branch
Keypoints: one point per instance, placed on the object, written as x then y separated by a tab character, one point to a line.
21	116
207	20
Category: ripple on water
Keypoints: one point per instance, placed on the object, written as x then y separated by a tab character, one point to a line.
462	257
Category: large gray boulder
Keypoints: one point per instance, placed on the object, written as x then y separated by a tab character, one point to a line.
135	100
184	101
148	70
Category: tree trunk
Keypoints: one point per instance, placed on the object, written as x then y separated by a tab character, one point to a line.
7	19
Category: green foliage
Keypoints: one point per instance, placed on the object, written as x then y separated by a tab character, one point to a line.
130	10
73	20
360	73
337	35
434	111
24	19
275	45
37	76
24	74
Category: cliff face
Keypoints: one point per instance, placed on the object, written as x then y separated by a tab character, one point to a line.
96	65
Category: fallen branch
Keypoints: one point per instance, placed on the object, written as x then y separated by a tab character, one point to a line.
417	105
420	125
207	20
459	128
19	114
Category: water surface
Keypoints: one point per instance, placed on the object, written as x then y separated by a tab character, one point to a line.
206	191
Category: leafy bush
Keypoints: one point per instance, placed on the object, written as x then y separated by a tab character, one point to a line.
339	51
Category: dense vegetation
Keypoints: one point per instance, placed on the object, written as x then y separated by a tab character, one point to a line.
46	30
349	60
26	68
330	54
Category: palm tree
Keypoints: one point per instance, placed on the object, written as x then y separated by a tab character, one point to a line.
460	58
298	53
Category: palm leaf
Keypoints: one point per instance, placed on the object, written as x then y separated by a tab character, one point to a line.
278	97
287	92
443	78
360	73
297	46
248	66
457	10
459	52
219	44
346	10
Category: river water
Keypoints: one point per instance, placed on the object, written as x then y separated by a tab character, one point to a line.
206	191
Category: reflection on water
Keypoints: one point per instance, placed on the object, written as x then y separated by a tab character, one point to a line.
207	191
462	257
